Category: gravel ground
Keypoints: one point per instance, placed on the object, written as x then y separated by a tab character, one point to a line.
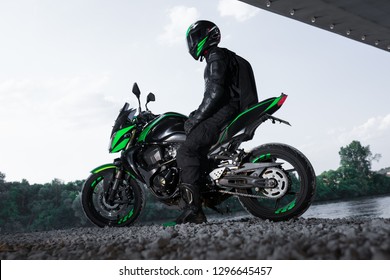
243	238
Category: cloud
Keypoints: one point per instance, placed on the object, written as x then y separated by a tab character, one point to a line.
237	9
180	18
373	128
58	126
67	101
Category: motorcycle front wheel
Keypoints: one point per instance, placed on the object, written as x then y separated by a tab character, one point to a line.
123	211
294	184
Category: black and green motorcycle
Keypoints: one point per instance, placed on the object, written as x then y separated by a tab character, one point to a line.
272	181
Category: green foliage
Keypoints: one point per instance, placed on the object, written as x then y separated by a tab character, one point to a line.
38	207
354	177
2	177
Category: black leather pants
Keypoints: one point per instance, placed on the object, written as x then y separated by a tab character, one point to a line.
192	154
194	150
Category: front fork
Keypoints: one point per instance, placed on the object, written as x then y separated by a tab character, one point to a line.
111	192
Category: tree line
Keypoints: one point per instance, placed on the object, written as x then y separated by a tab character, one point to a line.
57	205
354	178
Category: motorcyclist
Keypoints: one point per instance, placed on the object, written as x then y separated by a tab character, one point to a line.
219	105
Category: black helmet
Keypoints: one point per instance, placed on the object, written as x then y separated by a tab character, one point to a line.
201	35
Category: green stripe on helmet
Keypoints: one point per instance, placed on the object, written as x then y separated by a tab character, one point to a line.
200	46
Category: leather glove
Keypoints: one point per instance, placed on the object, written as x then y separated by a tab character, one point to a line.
192	114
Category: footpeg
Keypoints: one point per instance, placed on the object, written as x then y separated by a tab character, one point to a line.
217	173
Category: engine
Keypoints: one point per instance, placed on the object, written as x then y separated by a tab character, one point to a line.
160	165
165	182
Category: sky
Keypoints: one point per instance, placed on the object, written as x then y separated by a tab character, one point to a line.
67	67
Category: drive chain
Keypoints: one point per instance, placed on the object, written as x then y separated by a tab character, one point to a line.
245	195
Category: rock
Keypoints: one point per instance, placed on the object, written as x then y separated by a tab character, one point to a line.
221	233
244	238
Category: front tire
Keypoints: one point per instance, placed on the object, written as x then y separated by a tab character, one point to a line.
295	189
127	205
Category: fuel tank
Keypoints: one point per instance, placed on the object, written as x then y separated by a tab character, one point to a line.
168	127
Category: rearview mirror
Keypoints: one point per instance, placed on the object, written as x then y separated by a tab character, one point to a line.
150	98
136	90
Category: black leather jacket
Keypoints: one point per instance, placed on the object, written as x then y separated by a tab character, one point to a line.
217	101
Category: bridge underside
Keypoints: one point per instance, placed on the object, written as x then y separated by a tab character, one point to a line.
366	21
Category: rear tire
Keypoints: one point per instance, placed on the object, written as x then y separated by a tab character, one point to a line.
295	189
128	202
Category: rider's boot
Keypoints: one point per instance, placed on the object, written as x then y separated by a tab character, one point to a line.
192	211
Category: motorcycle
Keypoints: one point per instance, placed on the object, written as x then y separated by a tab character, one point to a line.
272	181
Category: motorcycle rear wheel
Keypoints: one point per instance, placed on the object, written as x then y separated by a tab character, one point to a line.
295	187
123	212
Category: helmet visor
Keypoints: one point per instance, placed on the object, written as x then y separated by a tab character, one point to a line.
192	40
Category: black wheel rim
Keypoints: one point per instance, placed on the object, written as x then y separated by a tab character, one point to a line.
288	193
116	213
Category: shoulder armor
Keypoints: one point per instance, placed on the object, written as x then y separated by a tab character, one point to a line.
216	54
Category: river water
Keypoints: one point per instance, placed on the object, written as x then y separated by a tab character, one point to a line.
372	207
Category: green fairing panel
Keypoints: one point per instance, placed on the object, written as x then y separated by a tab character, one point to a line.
108	166
103	167
122	144
119	142
268	106
262	158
